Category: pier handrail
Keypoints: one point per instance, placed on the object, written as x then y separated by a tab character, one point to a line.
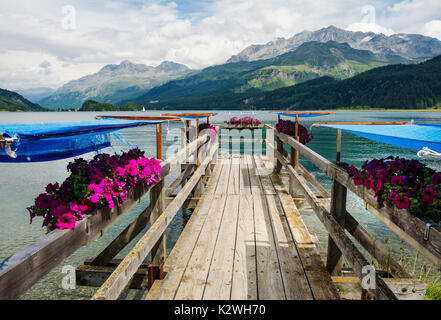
118	280
406	225
23	269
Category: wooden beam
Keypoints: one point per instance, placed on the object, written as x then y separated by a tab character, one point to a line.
338	211
405	289
157	201
317	124
113	286
158	141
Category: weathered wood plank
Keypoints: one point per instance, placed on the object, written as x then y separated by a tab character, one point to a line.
318	277
177	262
117	281
244	284
263	173
222	186
220	274
255	185
234	179
404	289
244	178
195	275
269	278
294	279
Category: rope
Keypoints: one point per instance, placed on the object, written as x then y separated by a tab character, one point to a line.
428	152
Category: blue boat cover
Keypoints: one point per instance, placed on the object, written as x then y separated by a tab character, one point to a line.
306	115
412	136
54	141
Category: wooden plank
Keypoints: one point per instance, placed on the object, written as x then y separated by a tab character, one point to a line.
255	185
318	277
234	179
404	289
177	262
95	276
195	275
157	200
309	177
24	268
117	281
412	227
182	177
294	279
220	274
263	173
222	186
244	283
269	279
244	177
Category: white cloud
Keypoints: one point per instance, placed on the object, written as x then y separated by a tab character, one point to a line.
432	29
150	31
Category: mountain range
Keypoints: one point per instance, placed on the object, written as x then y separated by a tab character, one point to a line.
410	46
12	101
278	64
309	61
399	86
114	83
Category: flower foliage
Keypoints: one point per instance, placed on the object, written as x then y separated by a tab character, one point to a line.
288	127
405	184
101	182
212	129
243	122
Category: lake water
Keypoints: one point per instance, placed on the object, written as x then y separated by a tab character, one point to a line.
22	182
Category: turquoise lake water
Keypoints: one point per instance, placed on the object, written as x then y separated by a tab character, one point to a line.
22	182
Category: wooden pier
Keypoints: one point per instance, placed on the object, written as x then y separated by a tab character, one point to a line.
245	238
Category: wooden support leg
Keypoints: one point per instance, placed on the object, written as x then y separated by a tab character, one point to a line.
338	211
279	149
158	205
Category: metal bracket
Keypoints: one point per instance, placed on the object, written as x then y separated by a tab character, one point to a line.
427	230
154	272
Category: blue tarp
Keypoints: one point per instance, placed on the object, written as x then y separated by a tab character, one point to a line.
54	141
412	136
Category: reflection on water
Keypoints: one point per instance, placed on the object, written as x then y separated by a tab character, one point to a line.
21	183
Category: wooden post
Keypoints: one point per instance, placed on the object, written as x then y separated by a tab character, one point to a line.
157	202
296	154
158	141
252	142
197	136
338	146
279	149
338	211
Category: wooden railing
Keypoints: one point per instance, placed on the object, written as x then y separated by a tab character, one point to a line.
23	269
153	239
337	219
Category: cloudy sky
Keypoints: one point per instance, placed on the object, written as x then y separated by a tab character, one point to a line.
47	43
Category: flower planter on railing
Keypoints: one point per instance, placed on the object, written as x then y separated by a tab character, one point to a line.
288	127
104	181
243	123
404	184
